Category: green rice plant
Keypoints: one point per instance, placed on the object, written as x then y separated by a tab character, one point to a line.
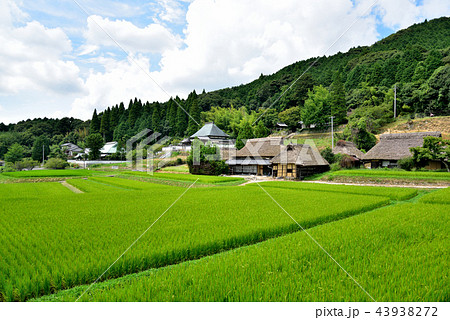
392	193
441	196
90	186
183	168
384	173
70	239
48	173
397	253
187	177
31	191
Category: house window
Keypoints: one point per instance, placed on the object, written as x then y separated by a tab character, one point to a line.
289	170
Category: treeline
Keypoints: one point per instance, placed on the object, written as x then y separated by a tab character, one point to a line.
51	132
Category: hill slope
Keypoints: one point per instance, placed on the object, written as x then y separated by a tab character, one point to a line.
357	87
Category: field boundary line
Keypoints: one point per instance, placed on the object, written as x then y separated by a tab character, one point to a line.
134	242
318	244
70	187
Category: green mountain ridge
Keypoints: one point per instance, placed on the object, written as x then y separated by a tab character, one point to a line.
357	87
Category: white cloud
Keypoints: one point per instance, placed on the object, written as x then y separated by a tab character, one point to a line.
102	32
233	41
172	11
400	14
31	56
226	42
121	81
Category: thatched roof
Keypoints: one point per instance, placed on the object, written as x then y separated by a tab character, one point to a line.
301	155
262	147
395	146
348	148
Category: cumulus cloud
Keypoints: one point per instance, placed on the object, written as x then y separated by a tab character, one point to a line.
171	11
224	43
31	56
102	32
120	81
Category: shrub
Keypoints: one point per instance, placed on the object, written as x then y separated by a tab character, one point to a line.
56	163
179	161
328	155
406	163
28	163
335	166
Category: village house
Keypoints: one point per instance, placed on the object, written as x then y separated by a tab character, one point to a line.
71	149
349	149
208	134
109	149
297	161
254	158
212	134
395	146
271	157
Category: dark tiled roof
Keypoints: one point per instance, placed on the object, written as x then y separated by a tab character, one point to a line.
395	146
210	130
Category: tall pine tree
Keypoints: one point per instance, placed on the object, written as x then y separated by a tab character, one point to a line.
105	126
194	114
338	101
95	123
181	124
156	118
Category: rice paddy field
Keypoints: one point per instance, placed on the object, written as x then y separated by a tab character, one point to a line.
399	174
221	243
186	177
48	173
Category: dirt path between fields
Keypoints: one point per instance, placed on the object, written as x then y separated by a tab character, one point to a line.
71	187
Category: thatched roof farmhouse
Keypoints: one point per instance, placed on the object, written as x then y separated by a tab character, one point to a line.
270	157
348	148
298	161
393	147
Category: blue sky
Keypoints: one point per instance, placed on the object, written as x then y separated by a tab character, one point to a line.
58	59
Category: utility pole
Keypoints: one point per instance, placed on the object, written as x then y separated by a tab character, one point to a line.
43	155
332	133
395	101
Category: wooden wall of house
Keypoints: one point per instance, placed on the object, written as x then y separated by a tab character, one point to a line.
310	170
283	170
260	170
434	165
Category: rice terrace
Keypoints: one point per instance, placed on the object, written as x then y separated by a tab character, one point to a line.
218	242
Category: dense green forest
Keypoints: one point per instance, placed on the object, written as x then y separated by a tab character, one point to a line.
356	87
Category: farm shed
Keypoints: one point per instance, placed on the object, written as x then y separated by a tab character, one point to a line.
298	161
349	149
255	156
395	146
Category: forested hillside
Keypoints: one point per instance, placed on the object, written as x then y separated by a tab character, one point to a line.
356	87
